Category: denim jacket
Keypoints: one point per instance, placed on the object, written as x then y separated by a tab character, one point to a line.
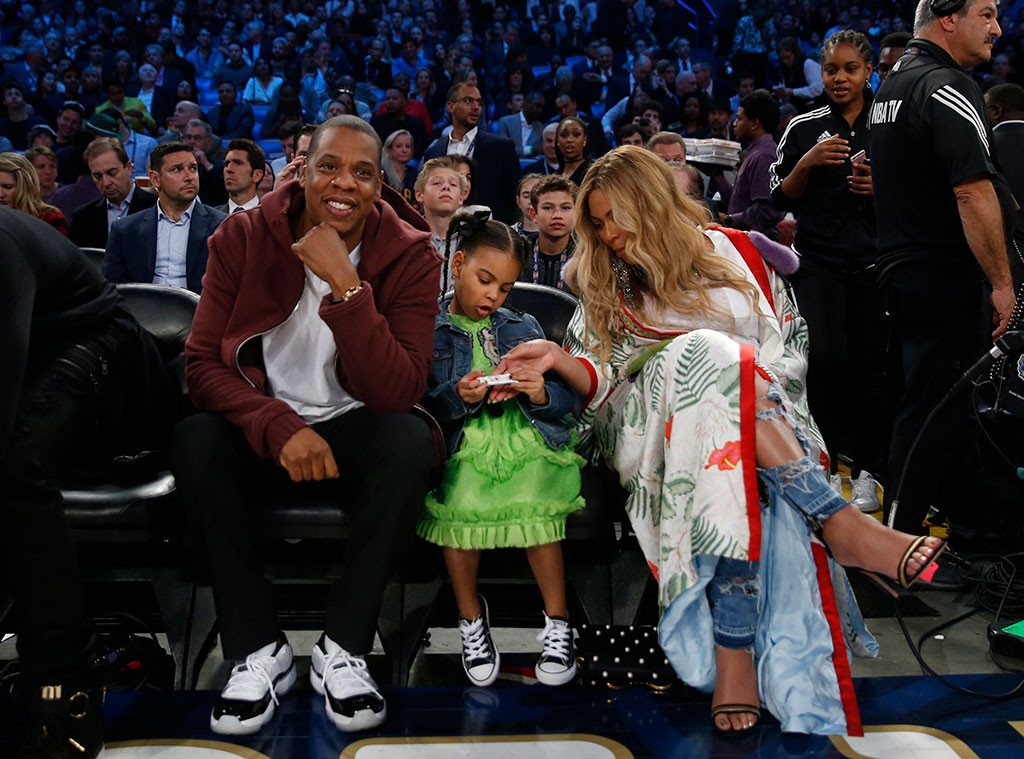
453	360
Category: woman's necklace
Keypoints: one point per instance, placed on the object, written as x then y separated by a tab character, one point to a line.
631	279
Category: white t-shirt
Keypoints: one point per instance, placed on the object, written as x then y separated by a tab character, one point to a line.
300	354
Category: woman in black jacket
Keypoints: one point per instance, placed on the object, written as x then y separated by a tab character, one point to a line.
824	175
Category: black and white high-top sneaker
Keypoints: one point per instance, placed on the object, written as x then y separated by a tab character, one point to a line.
557	663
480	658
351	697
248	700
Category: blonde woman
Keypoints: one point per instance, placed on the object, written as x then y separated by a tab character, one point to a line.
394	162
44	160
19	189
692	362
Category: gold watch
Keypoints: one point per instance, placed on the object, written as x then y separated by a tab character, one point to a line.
348	294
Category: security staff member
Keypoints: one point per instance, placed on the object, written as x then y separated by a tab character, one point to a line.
943	213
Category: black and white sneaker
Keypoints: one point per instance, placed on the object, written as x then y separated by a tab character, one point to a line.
248	700
480	658
557	663
352	699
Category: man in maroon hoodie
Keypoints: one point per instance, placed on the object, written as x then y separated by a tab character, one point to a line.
310	346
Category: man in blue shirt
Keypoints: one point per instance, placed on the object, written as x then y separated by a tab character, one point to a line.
165	244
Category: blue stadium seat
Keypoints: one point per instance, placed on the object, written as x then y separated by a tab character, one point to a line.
272	147
208	98
260	112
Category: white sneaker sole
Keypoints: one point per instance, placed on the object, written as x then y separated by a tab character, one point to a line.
560	678
365	719
489	680
230	725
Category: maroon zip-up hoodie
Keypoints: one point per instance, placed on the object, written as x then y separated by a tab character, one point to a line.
384	334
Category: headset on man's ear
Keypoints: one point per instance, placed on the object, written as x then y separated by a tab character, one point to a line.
946	7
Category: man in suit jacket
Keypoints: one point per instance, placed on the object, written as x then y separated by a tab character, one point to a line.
231	119
499	167
165	244
245	165
111	170
526	128
209	152
624	86
1006	112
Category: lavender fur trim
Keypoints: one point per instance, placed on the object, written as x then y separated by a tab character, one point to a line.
783	259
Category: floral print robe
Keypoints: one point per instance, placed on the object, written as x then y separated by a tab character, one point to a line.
673	414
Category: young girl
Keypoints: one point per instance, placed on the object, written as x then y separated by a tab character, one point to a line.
835	287
512	473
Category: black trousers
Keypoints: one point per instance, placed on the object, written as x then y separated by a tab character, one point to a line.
848	383
77	400
942	324
385	462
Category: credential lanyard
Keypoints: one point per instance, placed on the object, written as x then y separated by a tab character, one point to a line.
562	258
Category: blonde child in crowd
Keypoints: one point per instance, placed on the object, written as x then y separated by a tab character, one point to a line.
440	192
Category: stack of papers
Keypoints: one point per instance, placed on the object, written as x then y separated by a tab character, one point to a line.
717	152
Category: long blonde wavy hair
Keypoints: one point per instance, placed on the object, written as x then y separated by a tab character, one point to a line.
28	197
665	240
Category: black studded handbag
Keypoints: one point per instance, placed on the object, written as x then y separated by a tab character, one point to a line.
619	656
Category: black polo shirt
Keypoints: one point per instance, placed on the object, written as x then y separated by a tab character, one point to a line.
833	225
929	132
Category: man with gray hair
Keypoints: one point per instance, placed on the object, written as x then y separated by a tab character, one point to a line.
254	46
166	77
638	79
209	153
184	112
547	163
944	214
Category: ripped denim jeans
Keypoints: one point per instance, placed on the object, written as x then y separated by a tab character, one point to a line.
735	596
802	482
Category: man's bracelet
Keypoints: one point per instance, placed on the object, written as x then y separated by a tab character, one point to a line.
347	295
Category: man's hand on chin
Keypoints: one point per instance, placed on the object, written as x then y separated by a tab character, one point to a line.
326	255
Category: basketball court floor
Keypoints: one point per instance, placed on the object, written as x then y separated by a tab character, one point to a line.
905	714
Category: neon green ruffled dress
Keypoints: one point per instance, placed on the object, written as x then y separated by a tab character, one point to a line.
504	487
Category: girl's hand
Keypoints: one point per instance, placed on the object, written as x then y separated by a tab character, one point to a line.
831	152
531	384
469	390
860	183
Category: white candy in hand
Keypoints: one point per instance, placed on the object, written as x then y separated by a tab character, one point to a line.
497	379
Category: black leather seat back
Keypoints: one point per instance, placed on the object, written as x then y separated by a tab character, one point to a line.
95	255
166	314
551	307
